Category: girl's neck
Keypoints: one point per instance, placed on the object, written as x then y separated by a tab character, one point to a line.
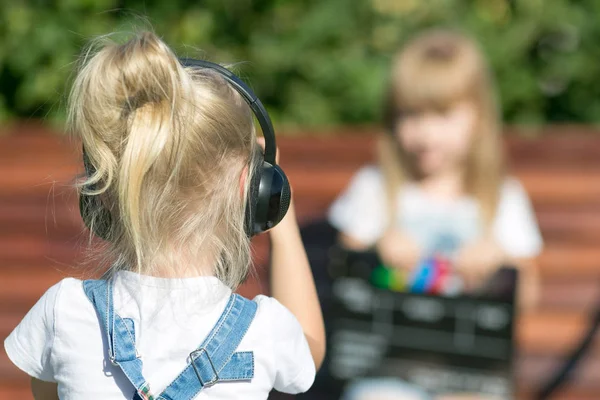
182	266
447	184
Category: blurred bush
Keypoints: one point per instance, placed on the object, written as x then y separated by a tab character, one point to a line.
315	62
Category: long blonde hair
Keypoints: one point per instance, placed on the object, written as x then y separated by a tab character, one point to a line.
434	71
168	145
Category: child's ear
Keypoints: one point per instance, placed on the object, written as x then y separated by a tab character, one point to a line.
243	179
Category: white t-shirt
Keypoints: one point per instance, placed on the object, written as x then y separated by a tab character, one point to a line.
361	212
60	339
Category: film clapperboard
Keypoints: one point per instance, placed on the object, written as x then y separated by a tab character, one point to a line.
442	344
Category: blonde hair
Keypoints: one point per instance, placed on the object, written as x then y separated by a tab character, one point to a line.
434	71
168	145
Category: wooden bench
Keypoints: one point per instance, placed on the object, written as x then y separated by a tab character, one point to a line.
41	235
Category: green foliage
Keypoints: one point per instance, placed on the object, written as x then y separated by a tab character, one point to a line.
315	62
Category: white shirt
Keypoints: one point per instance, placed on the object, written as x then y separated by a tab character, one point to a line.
361	212
60	339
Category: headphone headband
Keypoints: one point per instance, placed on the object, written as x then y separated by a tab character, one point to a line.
269	189
254	102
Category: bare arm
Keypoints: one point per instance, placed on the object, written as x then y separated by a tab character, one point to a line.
44	390
292	283
478	261
529	287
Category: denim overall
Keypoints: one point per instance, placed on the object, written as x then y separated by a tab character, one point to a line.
216	359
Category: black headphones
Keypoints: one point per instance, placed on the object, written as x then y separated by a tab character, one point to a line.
269	190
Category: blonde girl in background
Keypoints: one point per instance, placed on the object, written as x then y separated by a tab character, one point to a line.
441	181
173	150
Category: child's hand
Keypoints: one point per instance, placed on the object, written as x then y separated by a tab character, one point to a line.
477	261
398	250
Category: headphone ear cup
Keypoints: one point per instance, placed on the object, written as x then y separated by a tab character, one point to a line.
252	199
281	186
95	216
274	195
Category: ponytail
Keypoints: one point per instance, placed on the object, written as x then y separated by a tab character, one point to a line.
161	139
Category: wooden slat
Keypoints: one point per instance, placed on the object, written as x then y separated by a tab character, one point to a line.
329	162
569	293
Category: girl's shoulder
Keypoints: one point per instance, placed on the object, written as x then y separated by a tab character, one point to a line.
273	318
30	346
512	188
369	171
66	296
63	299
270	307
368	177
289	347
66	293
66	290
515	226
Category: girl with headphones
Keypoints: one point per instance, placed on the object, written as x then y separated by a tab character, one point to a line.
176	185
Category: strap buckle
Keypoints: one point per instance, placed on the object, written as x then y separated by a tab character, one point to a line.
196	354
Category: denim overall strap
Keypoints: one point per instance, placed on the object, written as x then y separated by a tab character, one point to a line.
120	335
216	359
